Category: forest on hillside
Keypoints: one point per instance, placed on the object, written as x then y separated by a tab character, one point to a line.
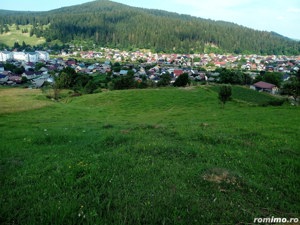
111	24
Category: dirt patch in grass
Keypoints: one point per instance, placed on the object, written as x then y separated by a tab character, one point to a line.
224	178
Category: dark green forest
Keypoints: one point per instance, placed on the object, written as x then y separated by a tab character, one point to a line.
110	24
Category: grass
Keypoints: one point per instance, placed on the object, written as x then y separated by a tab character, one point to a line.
154	156
15	35
21	100
252	97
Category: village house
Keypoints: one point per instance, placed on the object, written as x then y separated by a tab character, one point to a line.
31	74
43	55
5	56
14	79
264	86
19	56
3	78
31	57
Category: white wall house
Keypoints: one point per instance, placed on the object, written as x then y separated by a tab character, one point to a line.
32	57
43	55
5	55
19	56
25	56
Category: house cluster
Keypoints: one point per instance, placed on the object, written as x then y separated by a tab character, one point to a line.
37	78
209	61
46	73
26	60
173	64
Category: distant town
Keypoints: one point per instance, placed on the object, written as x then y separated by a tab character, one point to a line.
200	67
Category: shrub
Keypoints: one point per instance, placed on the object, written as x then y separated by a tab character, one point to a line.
90	87
274	102
182	80
225	93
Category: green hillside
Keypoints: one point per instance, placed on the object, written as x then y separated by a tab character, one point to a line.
107	23
14	35
153	156
252	97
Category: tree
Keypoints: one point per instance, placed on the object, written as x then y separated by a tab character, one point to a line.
165	80
24	45
9	67
124	82
292	87
19	70
24	80
273	78
6	29
64	80
56	90
116	67
17	45
38	66
182	80
67	78
225	93
90	87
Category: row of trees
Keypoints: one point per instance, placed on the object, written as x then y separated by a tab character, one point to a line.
81	83
69	79
111	24
239	77
233	77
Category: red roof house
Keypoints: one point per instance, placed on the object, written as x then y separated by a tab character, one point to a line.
177	73
264	86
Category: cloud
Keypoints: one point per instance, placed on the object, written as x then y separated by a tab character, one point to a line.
280	18
294	10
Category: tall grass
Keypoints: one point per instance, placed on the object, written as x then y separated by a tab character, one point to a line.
14	100
155	156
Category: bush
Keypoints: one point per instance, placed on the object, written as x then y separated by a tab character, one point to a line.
182	80
125	82
225	93
274	102
90	87
164	80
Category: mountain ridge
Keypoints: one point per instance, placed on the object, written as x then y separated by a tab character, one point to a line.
112	24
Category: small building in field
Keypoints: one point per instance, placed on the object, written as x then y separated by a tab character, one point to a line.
264	86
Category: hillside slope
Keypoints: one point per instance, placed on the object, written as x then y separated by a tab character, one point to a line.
153	156
116	25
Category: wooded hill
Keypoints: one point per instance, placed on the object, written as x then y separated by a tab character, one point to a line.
111	24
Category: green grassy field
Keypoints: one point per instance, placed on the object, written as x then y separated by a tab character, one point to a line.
154	156
15	35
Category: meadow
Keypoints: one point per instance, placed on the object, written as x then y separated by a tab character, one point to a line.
14	35
153	156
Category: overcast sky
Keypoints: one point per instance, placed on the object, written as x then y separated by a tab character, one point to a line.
281	16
